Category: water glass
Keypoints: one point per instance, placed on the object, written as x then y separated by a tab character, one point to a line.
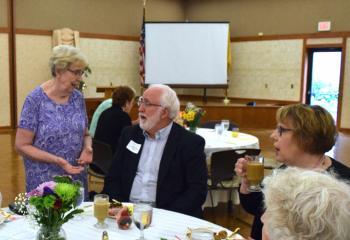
225	124
218	129
255	172
81	197
101	205
142	217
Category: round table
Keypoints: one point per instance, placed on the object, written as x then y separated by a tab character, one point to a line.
214	143
165	224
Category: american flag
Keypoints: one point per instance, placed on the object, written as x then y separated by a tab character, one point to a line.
142	49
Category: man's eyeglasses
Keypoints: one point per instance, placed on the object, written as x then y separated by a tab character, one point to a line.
281	130
146	103
78	72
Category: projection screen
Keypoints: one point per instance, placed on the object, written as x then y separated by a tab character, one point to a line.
180	53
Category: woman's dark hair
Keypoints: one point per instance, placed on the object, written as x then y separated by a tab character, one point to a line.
122	95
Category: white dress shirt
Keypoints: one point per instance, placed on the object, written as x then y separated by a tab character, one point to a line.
144	187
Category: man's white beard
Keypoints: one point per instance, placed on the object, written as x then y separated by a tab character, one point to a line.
150	122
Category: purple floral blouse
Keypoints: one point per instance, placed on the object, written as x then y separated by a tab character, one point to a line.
58	129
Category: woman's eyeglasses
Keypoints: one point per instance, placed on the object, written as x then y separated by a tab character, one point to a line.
78	72
146	103
281	130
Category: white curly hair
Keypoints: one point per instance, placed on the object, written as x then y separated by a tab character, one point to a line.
307	205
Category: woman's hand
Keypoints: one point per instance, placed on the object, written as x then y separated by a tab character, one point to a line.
241	170
68	167
85	156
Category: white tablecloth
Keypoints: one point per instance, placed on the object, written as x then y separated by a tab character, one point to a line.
165	224
214	143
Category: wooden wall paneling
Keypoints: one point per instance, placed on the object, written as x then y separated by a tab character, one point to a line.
341	83
261	116
12	61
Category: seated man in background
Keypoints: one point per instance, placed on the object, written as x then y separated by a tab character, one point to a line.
114	119
305	204
159	161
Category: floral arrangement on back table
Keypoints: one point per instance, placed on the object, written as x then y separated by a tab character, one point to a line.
191	116
55	203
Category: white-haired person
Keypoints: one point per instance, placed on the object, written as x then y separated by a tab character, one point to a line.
303	135
52	135
305	204
158	161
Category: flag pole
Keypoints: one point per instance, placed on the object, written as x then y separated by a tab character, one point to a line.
142	47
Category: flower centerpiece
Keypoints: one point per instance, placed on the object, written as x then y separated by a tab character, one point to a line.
55	202
191	116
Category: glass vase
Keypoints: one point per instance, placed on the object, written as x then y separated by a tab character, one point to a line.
193	129
51	233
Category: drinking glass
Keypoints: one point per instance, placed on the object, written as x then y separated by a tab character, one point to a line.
101	205
225	124
80	200
235	132
142	217
218	129
255	172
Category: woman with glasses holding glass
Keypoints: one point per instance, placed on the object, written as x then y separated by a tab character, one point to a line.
52	135
303	135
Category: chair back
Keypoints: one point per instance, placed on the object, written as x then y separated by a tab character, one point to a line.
102	158
211	124
223	164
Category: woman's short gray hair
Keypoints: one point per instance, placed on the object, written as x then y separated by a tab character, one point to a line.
305	204
65	55
169	100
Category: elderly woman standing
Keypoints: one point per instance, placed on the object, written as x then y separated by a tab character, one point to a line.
303	135
52	135
305	204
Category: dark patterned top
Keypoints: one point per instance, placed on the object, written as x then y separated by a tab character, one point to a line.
58	129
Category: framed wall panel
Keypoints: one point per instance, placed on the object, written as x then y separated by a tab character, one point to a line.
5	111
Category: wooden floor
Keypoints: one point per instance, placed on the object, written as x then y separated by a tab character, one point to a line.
12	176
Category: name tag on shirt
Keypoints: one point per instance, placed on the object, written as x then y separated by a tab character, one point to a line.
133	147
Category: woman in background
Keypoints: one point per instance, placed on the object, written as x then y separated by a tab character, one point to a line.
305	204
52	135
303	135
114	119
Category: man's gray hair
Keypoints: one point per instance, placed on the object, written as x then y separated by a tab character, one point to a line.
306	204
168	99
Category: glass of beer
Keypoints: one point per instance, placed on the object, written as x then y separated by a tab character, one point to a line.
101	205
255	172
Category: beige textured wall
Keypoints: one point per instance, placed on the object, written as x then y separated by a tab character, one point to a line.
121	17
345	114
5	114
324	41
262	70
3	13
267	70
32	55
249	17
112	62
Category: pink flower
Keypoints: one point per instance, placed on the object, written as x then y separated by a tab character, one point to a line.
40	189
